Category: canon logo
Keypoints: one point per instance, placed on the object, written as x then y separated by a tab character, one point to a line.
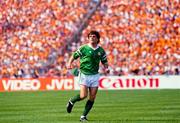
128	83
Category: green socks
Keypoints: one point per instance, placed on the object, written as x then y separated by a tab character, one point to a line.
76	98
88	107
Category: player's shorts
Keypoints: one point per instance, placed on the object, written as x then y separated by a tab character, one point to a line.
89	80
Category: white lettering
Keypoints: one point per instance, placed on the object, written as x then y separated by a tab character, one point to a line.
16	85
68	84
60	84
6	84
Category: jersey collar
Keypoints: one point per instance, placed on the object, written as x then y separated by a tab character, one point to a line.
93	47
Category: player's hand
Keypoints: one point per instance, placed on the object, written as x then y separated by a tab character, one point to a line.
107	71
69	66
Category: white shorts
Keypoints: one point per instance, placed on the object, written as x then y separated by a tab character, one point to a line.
89	80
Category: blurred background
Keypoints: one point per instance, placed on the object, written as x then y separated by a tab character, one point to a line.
141	37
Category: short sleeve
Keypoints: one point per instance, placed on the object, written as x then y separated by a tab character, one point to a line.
77	53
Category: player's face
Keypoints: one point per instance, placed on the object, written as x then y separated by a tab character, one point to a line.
93	38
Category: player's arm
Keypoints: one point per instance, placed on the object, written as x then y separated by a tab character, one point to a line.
73	57
104	61
106	69
71	60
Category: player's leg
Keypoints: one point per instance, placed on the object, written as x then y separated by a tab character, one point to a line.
93	88
89	103
83	91
83	94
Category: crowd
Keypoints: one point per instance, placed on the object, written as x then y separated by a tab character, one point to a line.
140	37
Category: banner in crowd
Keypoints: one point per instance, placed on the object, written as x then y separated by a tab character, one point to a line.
105	83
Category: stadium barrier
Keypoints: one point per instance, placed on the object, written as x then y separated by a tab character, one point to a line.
105	83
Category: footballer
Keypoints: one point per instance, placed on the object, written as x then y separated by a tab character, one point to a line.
90	55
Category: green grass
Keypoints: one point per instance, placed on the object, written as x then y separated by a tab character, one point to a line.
123	106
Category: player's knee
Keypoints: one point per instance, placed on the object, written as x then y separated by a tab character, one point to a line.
83	96
92	97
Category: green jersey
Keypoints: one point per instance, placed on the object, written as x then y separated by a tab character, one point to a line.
90	59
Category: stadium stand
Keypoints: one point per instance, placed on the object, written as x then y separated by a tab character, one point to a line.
140	37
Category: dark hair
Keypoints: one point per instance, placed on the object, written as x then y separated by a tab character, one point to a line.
95	33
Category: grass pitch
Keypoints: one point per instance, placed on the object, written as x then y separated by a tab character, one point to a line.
113	106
